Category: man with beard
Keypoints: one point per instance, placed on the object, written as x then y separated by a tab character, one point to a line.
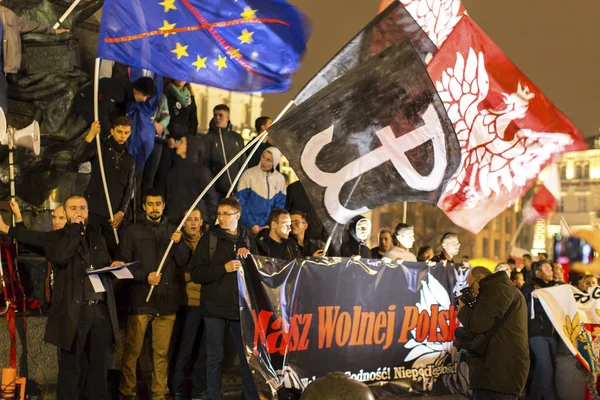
275	242
146	242
82	323
405	236
119	169
214	266
309	247
359	230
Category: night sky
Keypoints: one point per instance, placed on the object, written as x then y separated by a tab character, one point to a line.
555	43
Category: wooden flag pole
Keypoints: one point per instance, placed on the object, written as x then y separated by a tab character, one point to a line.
193	206
98	144
237	177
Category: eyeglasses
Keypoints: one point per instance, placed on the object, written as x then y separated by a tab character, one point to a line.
297	222
226	214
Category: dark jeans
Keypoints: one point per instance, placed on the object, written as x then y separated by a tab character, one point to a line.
215	338
482	394
83	370
192	334
543	385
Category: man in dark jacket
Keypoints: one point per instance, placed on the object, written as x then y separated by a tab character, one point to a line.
82	323
453	276
502	372
359	229
146	242
223	144
214	266
309	247
542	336
119	169
113	96
275	242
261	124
297	200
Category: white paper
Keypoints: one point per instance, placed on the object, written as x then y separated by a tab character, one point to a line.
97	283
122	273
110	269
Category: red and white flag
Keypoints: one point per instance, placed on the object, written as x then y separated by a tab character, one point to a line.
546	198
436	17
507	129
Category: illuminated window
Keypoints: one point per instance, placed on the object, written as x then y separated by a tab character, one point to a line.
582	203
486	247
578	171
507	225
563	171
586	171
496	248
497	225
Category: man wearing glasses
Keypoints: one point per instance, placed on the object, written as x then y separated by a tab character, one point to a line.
223	144
214	266
309	247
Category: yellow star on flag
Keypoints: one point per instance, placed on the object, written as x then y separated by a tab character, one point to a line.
180	50
246	36
167	27
200	63
248	13
234	53
222	63
168	5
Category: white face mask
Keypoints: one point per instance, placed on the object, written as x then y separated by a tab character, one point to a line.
451	246
363	230
406	237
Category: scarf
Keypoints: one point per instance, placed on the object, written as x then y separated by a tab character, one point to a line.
183	97
191	241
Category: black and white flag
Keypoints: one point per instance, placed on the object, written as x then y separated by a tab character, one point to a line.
377	135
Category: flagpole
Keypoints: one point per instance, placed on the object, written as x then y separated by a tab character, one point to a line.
98	146
245	164
193	206
405	212
66	14
513	241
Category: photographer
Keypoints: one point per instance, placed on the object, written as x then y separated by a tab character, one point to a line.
494	316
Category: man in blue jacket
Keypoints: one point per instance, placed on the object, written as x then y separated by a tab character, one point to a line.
261	190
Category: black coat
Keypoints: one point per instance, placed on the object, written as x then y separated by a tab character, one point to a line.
505	366
119	169
265	246
146	242
232	145
67	253
297	200
113	93
540	325
219	298
310	246
184	120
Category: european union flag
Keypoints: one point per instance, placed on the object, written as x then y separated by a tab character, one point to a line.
240	45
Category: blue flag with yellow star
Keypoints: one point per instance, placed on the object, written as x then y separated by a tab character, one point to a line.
240	45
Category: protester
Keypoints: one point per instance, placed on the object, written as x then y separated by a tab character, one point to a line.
385	244
558	272
516	277
214	266
147	241
261	124
586	282
297	200
162	118
119	170
183	122
275	241
453	276
512	263
114	94
504	267
501	373
405	237
526	270
82	323
261	190
13	27
425	253
542	336
308	246
359	229
223	145
191	331
542	256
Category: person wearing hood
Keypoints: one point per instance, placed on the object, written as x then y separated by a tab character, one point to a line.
261	124
405	236
119	168
275	242
261	190
359	230
188	175
183	122
222	145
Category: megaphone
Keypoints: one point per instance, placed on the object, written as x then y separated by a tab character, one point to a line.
28	137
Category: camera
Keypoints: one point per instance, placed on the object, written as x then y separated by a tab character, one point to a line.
467	297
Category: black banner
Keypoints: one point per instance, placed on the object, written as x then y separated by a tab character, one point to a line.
388	325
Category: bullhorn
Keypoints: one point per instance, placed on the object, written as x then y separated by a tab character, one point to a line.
28	137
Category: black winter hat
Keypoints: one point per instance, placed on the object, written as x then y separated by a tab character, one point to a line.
145	85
